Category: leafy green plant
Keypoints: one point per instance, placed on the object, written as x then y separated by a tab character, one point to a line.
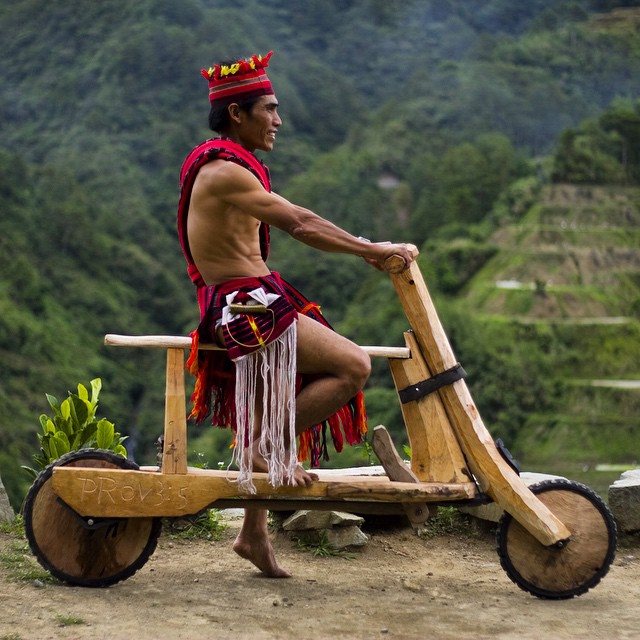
74	426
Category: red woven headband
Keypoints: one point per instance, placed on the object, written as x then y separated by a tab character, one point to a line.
244	78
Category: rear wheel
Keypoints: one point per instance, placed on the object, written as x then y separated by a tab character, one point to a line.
90	552
562	571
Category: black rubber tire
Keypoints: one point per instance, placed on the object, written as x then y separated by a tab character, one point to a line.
71	551
561	572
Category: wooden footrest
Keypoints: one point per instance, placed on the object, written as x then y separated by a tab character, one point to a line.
131	493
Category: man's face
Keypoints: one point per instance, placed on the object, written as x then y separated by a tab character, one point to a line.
259	126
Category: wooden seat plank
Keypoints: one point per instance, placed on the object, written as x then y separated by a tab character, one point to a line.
184	342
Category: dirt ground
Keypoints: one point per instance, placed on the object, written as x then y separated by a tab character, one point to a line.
397	586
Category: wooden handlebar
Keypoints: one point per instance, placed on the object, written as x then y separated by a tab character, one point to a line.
395	264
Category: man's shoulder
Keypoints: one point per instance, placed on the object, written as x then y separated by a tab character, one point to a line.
224	162
220	169
206	152
225	149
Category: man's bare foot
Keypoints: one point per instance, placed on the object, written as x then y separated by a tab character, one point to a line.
261	554
302	477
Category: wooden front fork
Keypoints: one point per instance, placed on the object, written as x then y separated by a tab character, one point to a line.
494	476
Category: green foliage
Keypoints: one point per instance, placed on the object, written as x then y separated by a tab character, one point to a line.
461	186
67	280
603	150
21	566
403	121
447	521
383	408
210	447
207	525
510	368
14	528
578	436
451	265
74	426
319	546
65	620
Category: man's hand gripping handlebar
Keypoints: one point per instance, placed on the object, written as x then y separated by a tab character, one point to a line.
398	257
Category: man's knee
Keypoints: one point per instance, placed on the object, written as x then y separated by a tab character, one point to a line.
360	369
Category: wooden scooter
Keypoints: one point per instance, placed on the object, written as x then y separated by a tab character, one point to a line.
93	518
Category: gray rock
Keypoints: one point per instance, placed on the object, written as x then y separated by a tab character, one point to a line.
6	511
306	520
345	537
624	501
631	474
336	529
338	539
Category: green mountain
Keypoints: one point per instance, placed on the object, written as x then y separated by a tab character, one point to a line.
574	256
566	277
430	121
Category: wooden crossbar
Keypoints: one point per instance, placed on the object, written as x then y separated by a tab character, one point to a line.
184	342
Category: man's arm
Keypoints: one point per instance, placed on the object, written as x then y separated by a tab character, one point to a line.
322	234
238	187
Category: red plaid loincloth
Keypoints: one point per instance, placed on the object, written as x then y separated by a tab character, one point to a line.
215	390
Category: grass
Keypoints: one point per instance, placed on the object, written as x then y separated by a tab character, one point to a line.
448	521
207	525
320	547
13	528
68	621
17	558
20	565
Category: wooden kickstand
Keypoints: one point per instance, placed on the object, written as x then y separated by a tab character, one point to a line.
397	470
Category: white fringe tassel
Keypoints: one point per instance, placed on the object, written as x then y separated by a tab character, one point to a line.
276	365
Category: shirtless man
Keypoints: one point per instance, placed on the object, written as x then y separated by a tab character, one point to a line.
228	206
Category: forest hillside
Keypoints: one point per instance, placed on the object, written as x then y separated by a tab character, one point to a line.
502	138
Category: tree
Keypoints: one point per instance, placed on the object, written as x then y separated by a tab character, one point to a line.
623	119
601	151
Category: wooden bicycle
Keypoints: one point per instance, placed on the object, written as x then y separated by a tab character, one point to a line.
93	518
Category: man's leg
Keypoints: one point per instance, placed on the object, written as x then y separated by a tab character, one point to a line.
342	368
253	544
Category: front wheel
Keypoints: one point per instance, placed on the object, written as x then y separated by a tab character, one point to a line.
560	572
82	551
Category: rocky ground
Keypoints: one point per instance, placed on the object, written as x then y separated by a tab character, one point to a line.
445	586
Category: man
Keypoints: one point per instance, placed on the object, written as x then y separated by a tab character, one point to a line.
292	375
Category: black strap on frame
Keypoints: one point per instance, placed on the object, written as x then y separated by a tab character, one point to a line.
421	389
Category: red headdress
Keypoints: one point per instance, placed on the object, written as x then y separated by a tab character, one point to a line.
242	79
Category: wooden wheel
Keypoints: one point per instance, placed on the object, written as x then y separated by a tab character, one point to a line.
564	570
84	551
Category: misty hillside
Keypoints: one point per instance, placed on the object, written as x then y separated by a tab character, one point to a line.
499	137
574	255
